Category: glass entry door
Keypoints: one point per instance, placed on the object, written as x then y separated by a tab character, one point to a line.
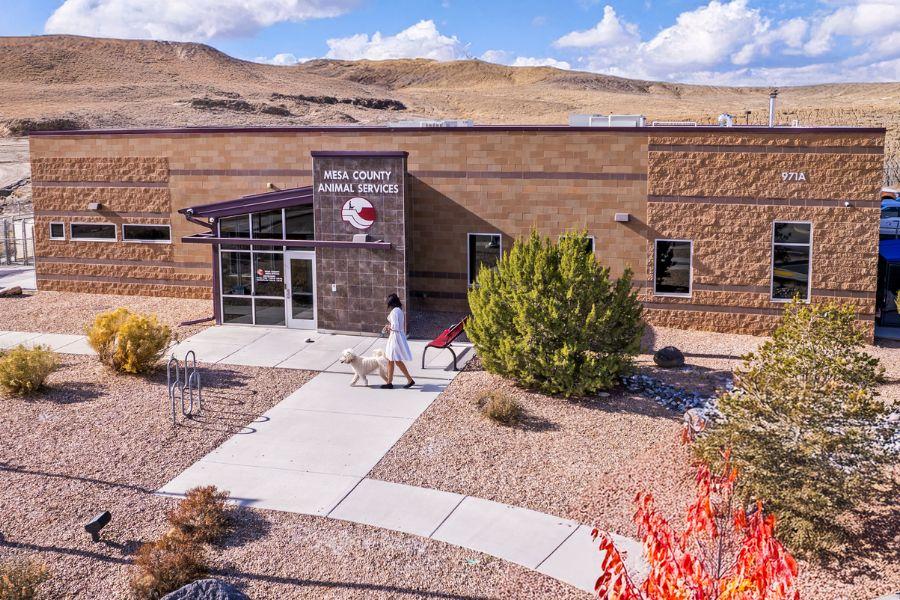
300	291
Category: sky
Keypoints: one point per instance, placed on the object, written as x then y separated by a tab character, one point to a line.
720	42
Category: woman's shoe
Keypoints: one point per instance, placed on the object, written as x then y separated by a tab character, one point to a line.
387	386
410	384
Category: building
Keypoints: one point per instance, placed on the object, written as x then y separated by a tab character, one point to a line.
314	226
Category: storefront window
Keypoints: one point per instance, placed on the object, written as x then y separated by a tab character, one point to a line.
269	312
237	311
791	258
672	268
485	250
268	273
298	223
236	280
234	227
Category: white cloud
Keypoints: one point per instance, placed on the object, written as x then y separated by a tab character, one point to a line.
731	42
283	59
182	20
610	31
526	61
501	57
422	40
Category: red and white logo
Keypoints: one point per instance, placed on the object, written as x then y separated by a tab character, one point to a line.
359	212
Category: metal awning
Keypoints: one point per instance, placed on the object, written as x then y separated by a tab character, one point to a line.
248	204
210	238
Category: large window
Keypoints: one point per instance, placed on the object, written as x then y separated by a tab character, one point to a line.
93	232
252	277
672	267
791	259
484	252
152	234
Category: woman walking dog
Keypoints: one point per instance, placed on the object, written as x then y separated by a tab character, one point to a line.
397	350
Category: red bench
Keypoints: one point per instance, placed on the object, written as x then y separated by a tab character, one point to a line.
444	341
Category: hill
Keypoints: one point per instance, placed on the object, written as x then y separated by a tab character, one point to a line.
74	81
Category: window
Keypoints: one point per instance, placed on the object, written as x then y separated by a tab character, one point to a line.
791	258
93	232
484	251
57	231
298	223
672	267
590	243
158	234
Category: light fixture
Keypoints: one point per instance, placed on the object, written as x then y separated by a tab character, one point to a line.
94	206
94	526
622	217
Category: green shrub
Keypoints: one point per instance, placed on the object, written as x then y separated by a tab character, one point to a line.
500	408
24	370
129	342
19	580
202	514
549	317
167	564
805	426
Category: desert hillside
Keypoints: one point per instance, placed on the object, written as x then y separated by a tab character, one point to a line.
67	81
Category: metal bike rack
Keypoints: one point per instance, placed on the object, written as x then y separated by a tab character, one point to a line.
190	383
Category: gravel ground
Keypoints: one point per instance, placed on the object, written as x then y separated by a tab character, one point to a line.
98	442
586	459
69	312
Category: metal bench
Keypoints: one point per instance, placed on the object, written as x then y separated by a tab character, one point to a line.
445	339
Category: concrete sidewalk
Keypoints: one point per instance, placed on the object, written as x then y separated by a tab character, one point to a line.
58	342
16	276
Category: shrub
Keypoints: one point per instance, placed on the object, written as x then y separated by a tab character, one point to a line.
722	552
167	564
129	342
24	370
805	425
202	515
549	317
19	580
500	408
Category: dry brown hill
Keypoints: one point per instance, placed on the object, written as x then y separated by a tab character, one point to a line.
92	82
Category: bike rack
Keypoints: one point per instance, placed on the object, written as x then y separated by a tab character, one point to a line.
178	385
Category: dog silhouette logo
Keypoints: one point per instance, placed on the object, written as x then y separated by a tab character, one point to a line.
359	212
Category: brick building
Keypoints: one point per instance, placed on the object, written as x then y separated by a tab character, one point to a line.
314	226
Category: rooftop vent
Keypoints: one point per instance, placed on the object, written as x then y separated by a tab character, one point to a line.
673	124
606	120
435	123
726	120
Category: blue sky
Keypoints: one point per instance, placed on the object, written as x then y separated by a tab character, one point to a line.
728	42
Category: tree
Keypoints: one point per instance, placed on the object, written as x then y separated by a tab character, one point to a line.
807	429
549	316
723	553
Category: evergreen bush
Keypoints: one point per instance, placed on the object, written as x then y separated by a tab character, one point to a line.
805	425
129	342
549	317
24	370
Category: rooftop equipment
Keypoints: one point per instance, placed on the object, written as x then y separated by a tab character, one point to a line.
673	124
726	120
606	120
435	123
772	96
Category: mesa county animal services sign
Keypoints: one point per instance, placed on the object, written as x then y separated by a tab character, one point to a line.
356	192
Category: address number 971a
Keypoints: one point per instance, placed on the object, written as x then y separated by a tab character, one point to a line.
793	176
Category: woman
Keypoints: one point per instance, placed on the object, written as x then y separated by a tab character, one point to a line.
397	349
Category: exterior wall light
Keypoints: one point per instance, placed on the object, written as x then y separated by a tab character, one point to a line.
94	206
622	217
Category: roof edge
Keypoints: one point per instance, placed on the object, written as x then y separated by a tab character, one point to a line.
475	128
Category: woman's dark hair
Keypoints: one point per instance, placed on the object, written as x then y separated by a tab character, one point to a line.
393	301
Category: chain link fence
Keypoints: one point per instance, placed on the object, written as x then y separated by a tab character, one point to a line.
892	171
17	241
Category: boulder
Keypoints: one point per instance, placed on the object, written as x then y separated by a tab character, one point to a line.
206	589
11	291
669	357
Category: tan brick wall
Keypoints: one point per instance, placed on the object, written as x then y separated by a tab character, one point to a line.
510	182
89	167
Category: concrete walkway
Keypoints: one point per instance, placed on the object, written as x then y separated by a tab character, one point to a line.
16	276
59	342
311	454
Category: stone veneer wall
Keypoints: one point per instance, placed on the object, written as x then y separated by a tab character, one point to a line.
725	191
363	277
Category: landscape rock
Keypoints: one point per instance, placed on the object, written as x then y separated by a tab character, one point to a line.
206	589
11	291
669	357
671	397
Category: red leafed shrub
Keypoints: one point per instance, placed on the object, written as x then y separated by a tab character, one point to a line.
723	552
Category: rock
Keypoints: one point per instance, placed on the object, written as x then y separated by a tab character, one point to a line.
206	589
11	291
669	357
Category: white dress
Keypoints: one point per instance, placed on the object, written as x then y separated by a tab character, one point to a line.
397	346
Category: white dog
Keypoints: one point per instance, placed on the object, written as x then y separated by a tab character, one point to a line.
365	365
